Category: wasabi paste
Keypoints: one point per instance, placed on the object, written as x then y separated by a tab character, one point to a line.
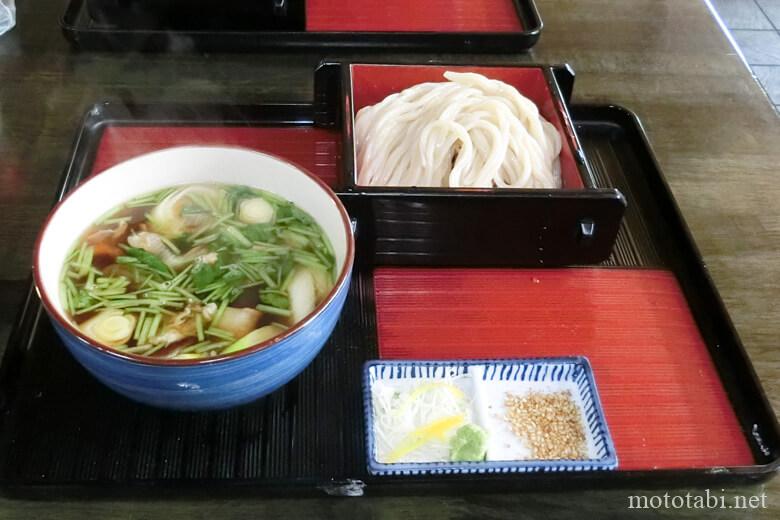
469	444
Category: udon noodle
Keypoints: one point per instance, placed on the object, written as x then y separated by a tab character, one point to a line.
470	131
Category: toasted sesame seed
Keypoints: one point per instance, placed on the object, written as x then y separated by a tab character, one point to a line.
549	423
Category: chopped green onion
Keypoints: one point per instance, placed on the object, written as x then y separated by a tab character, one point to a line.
220	333
144	334
65	297
220	311
210	226
86	262
273	310
191	348
206	239
250	285
139	325
199	326
287	280
170	245
237	236
182	355
211	346
188	294
307	261
139	349
269	247
179	278
84	310
267	279
155	348
155	325
80	258
150	310
304	231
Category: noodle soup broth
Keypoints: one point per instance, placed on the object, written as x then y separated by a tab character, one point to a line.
196	271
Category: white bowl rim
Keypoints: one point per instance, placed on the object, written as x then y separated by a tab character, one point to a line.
56	313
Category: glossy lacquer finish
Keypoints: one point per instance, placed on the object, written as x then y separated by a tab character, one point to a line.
309	435
713	131
501	26
658	384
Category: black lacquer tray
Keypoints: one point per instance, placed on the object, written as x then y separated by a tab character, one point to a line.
497	26
63	433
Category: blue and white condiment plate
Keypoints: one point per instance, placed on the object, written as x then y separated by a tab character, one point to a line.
481	387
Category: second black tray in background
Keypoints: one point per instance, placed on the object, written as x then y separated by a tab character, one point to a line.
83	32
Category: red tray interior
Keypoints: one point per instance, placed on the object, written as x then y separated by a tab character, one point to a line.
372	83
315	149
412	16
664	403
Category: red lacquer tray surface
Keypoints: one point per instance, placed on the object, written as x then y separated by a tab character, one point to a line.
664	403
316	149
412	16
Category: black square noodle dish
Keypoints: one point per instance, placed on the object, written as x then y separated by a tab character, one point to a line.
498	26
471	315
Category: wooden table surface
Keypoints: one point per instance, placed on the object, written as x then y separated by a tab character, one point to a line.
713	130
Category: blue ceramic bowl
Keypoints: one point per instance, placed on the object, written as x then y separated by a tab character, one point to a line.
214	383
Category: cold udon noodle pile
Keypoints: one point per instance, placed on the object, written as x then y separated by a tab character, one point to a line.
470	131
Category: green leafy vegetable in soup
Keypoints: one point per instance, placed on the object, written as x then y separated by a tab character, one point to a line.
197	271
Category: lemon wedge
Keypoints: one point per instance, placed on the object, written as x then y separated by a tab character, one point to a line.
433	430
